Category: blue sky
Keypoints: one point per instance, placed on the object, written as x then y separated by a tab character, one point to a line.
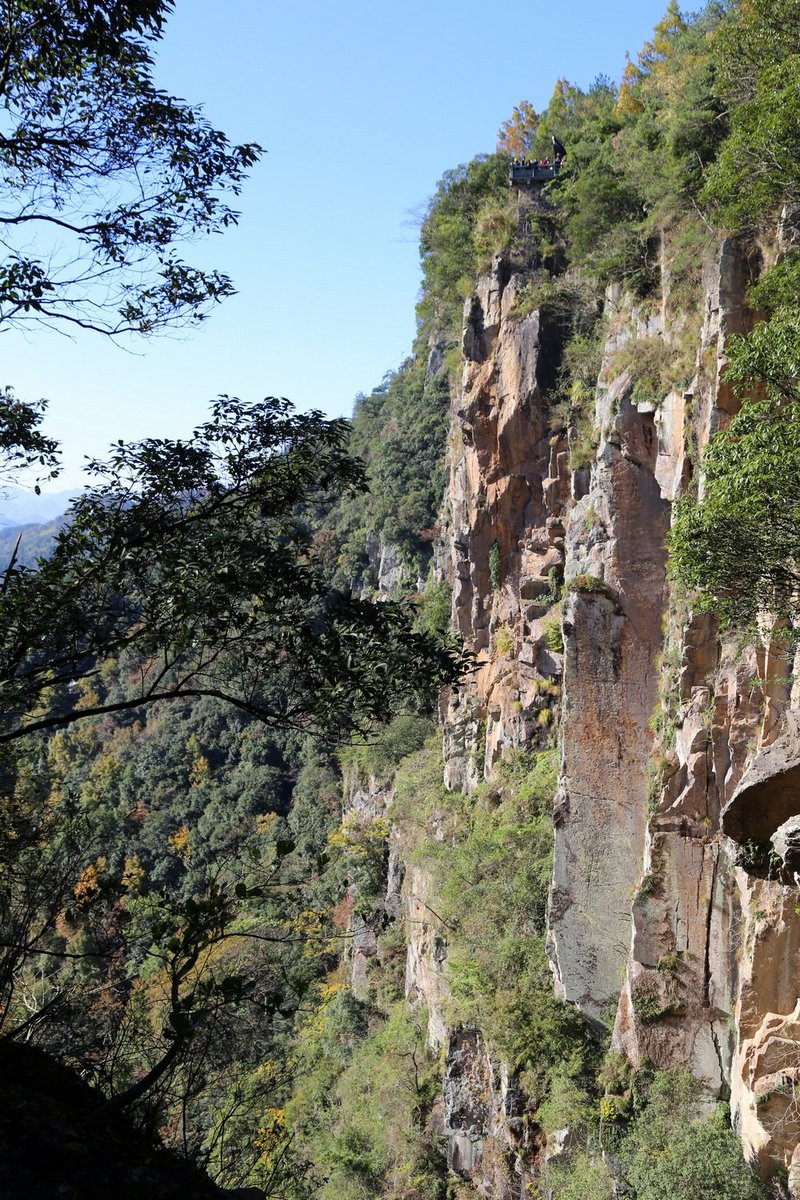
360	108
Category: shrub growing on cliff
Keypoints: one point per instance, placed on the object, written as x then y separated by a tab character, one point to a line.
582	1177
673	1153
587	585
448	249
366	1123
492	861
649	362
504	641
553	634
399	431
435	608
740	547
380	755
495	567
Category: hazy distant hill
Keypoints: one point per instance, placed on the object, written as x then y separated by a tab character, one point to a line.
21	506
35	540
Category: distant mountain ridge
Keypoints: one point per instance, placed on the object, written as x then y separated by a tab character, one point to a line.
34	541
21	506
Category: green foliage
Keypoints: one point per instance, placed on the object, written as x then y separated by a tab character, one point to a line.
419	794
504	641
382	753
664	1145
757	168
191	915
496	229
22	443
580	367
178	962
492	862
109	174
553	635
650	1003
673	1153
125	929
130	571
739	547
495	567
568	1106
582	436
587	585
362	1104
703	127
651	364
399	431
557	297
435	608
647	887
359	852
769	357
450	252
582	356
582	1177
636	158
779	286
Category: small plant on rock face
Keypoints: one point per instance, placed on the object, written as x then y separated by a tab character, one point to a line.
648	1006
651	364
583	440
587	584
649	1002
592	518
668	963
646	888
554	577
495	567
504	641
553	635
615	1073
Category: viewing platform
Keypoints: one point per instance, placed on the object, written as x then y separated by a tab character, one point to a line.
526	174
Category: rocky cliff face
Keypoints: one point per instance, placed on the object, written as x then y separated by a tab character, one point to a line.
503	534
672	917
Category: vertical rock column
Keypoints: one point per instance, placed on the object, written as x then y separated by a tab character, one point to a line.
503	531
615	575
